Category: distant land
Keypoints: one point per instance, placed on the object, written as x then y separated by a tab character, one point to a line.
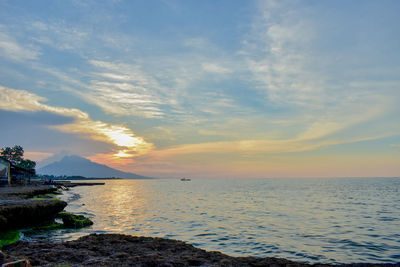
78	166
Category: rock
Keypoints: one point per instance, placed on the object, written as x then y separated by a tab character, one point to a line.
17	214
2	257
25	192
17	263
74	221
9	237
124	250
51	226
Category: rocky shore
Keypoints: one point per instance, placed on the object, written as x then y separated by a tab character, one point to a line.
25	192
124	250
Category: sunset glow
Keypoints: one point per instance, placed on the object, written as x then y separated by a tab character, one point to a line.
244	89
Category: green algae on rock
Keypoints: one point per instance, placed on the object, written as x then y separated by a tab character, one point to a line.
74	221
25	192
48	227
9	237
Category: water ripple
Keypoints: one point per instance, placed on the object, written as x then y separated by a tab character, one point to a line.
307	220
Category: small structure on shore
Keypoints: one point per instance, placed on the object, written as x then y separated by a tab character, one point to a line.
11	174
4	171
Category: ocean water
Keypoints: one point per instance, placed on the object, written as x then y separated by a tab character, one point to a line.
308	220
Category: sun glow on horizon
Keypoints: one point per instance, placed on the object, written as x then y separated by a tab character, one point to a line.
129	144
123	154
120	136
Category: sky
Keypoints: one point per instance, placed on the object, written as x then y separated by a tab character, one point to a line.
205	89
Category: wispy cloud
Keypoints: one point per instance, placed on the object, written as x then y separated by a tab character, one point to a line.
11	49
130	84
279	56
60	35
292	74
245	158
123	89
126	142
244	148
197	43
215	68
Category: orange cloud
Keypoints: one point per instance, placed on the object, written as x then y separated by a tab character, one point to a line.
126	142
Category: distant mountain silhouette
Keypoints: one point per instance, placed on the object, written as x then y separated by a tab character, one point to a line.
78	166
56	157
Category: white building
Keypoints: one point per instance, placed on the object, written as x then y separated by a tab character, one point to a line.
5	177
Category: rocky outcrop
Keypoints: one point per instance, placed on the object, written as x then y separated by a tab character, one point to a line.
18	214
73	220
18	210
25	192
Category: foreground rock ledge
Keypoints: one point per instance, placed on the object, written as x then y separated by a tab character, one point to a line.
124	250
24	192
17	214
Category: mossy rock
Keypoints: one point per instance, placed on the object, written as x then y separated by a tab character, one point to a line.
52	226
45	197
58	192
9	237
20	214
74	221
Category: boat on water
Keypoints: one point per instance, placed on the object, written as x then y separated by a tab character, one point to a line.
185	179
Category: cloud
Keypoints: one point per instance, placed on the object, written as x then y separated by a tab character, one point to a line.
246	148
59	35
291	72
215	68
197	43
278	54
126	72
124	140
245	158
130	83
11	49
123	89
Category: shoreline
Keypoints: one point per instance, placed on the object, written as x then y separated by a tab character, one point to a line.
127	250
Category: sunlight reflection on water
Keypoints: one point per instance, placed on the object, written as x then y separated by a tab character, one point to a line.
312	220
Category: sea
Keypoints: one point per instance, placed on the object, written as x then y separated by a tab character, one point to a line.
326	220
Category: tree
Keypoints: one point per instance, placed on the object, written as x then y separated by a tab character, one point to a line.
15	155
27	164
